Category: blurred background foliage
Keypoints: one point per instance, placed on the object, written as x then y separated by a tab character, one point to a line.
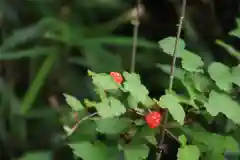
48	45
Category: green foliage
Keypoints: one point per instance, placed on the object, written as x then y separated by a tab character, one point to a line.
113	125
110	108
212	142
43	48
172	103
133	85
221	75
114	114
37	156
188	152
236	32
89	151
135	151
75	104
222	103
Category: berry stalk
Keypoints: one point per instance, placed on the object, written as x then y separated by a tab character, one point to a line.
174	54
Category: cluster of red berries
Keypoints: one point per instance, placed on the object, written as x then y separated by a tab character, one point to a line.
153	119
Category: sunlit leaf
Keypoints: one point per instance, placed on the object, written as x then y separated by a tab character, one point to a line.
88	151
104	81
110	108
133	85
191	62
136	152
189	152
201	82
172	103
221	74
168	45
222	103
113	125
74	103
183	140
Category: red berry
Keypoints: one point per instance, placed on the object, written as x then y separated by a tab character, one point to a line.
117	77
153	119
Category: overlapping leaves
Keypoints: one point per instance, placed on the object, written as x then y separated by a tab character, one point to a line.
222	103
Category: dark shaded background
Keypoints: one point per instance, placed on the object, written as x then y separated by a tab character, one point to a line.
89	34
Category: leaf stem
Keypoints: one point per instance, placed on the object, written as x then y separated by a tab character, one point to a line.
136	24
183	8
79	122
172	135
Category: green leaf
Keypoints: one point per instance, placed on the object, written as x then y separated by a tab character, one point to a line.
178	72
148	134
110	108
37	156
222	103
236	75
148	102
214	156
172	103
85	131
168	44
136	152
189	152
88	151
75	104
201	82
104	81
236	32
214	142
183	140
28	53
191	62
113	125
132	102
221	74
132	84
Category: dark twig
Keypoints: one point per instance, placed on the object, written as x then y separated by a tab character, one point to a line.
79	122
183	8
136	23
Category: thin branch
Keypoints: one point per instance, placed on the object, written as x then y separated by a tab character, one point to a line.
79	122
172	135
136	23
183	8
